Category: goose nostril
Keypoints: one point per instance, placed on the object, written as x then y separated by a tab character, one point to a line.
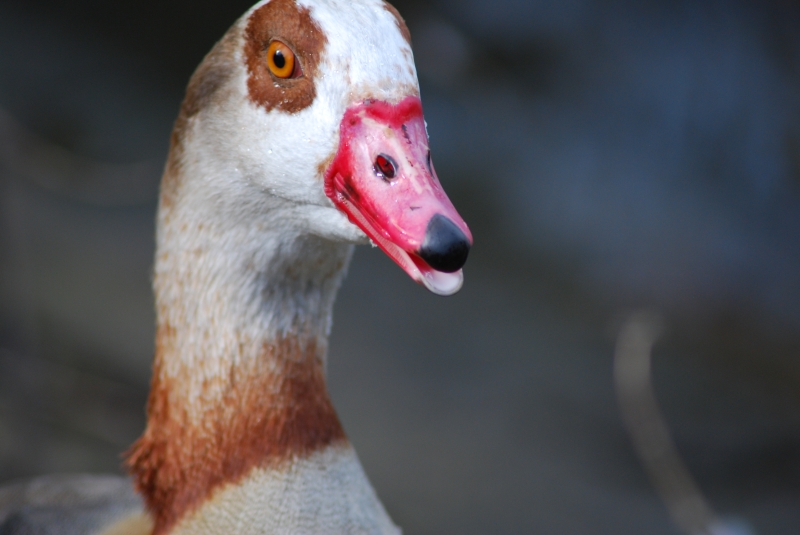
445	247
385	167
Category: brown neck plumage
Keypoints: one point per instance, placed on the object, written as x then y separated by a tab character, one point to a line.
264	411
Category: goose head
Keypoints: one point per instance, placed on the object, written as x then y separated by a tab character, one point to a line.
311	109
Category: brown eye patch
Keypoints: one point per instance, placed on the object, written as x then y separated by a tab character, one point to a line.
284	22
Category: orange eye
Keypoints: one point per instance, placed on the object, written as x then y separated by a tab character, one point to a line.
281	61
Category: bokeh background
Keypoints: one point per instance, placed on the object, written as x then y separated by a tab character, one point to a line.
607	155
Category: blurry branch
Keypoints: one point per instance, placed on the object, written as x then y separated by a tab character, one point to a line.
649	432
58	170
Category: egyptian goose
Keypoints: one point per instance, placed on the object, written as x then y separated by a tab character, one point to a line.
301	134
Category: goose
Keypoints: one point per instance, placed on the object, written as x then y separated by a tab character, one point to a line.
300	136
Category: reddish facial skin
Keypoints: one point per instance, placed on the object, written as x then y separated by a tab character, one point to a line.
393	212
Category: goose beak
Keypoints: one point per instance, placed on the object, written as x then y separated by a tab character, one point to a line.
382	177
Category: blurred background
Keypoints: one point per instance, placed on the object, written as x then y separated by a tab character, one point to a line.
607	155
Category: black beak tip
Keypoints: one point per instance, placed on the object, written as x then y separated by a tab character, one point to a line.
445	247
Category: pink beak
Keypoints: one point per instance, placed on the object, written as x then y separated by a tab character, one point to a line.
383	179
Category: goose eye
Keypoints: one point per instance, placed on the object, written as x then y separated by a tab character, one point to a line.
281	61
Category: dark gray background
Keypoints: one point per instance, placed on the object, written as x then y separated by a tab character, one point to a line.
606	155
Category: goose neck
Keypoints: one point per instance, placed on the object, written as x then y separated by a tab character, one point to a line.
243	315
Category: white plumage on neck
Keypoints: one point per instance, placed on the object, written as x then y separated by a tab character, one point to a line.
227	272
